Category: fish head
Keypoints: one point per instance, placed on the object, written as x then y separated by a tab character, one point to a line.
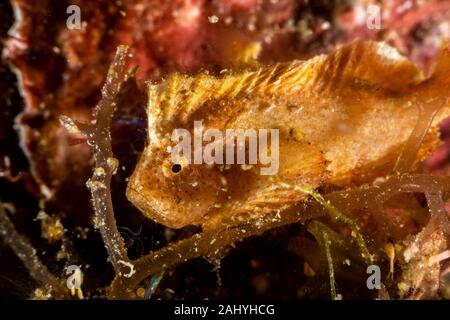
172	191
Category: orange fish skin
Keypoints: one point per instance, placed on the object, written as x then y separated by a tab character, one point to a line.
343	119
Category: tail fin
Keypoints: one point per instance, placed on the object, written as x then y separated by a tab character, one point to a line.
433	99
441	69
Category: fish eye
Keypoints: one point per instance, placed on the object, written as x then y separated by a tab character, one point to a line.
172	167
176	168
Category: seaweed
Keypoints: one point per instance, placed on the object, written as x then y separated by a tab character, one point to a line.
28	255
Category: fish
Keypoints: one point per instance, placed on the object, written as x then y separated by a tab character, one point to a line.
343	119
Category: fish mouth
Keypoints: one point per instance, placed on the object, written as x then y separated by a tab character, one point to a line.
145	205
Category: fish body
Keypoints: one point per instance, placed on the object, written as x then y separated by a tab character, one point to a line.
342	119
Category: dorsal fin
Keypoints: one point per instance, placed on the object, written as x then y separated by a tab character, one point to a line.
375	64
369	63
